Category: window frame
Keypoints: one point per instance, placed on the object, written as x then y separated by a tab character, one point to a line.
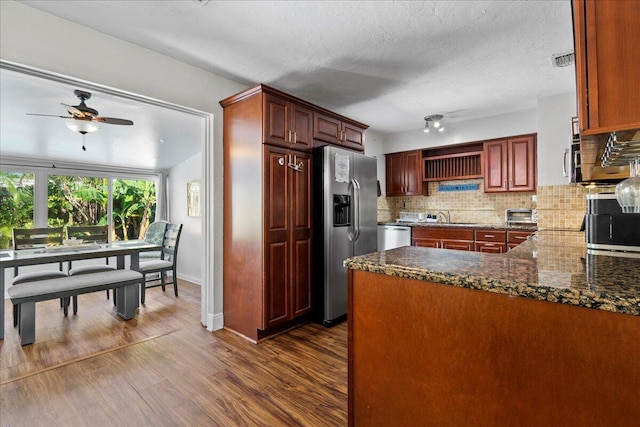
41	178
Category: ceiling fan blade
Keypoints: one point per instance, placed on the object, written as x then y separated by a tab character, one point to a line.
73	110
49	115
112	121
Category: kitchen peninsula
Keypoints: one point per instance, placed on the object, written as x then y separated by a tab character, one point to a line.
544	334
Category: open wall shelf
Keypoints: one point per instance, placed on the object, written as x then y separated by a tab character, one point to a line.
453	166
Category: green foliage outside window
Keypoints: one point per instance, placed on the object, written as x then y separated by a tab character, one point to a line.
16	204
74	200
134	207
77	200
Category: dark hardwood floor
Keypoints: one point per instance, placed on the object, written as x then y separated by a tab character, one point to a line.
164	368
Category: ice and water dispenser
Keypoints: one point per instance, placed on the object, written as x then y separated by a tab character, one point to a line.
341	210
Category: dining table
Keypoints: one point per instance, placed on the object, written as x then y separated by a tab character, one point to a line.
76	252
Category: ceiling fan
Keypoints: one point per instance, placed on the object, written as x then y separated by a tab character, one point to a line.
84	119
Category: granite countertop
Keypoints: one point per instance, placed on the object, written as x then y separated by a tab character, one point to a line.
550	266
527	227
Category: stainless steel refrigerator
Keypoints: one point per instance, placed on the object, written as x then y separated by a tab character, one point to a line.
345	224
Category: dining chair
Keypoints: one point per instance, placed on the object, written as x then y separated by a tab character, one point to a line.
154	235
168	262
34	238
89	234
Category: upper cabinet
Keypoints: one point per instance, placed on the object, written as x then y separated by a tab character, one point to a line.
338	131
404	173
510	164
287	124
607	44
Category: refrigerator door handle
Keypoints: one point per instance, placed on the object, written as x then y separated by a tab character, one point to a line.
355	215
356	209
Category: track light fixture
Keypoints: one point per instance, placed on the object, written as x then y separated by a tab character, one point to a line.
433	122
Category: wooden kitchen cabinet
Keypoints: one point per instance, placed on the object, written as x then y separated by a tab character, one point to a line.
267	215
490	240
287	234
510	164
459	238
607	42
404	173
287	123
514	238
338	131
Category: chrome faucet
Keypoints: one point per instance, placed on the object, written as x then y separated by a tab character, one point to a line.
446	216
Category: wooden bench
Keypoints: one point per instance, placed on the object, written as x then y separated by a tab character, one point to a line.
25	295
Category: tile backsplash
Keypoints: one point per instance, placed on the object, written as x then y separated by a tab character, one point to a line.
564	206
474	206
558	206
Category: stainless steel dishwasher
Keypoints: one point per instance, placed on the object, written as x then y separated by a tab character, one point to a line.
393	236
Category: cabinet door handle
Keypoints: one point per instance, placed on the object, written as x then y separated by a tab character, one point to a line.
281	161
295	137
564	163
505	184
489	235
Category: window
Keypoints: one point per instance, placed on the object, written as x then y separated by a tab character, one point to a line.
77	200
16	204
134	207
41	199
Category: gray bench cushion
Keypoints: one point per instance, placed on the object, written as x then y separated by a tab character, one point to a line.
38	275
43	290
90	269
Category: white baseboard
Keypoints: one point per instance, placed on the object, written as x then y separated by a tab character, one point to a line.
215	322
196	280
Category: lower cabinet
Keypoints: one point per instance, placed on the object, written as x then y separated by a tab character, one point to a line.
443	237
514	238
491	241
287	233
267	241
488	240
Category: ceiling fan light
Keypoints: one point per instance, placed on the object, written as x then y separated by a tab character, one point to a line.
436	124
82	126
426	127
441	129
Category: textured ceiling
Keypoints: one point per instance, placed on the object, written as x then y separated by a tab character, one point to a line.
384	63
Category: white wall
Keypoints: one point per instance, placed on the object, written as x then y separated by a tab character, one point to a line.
374	147
191	244
37	39
554	136
551	120
517	123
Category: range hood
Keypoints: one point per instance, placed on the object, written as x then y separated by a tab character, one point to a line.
593	149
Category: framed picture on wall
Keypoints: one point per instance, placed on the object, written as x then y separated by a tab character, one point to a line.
193	198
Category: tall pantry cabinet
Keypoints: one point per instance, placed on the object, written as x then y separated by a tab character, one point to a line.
267	212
